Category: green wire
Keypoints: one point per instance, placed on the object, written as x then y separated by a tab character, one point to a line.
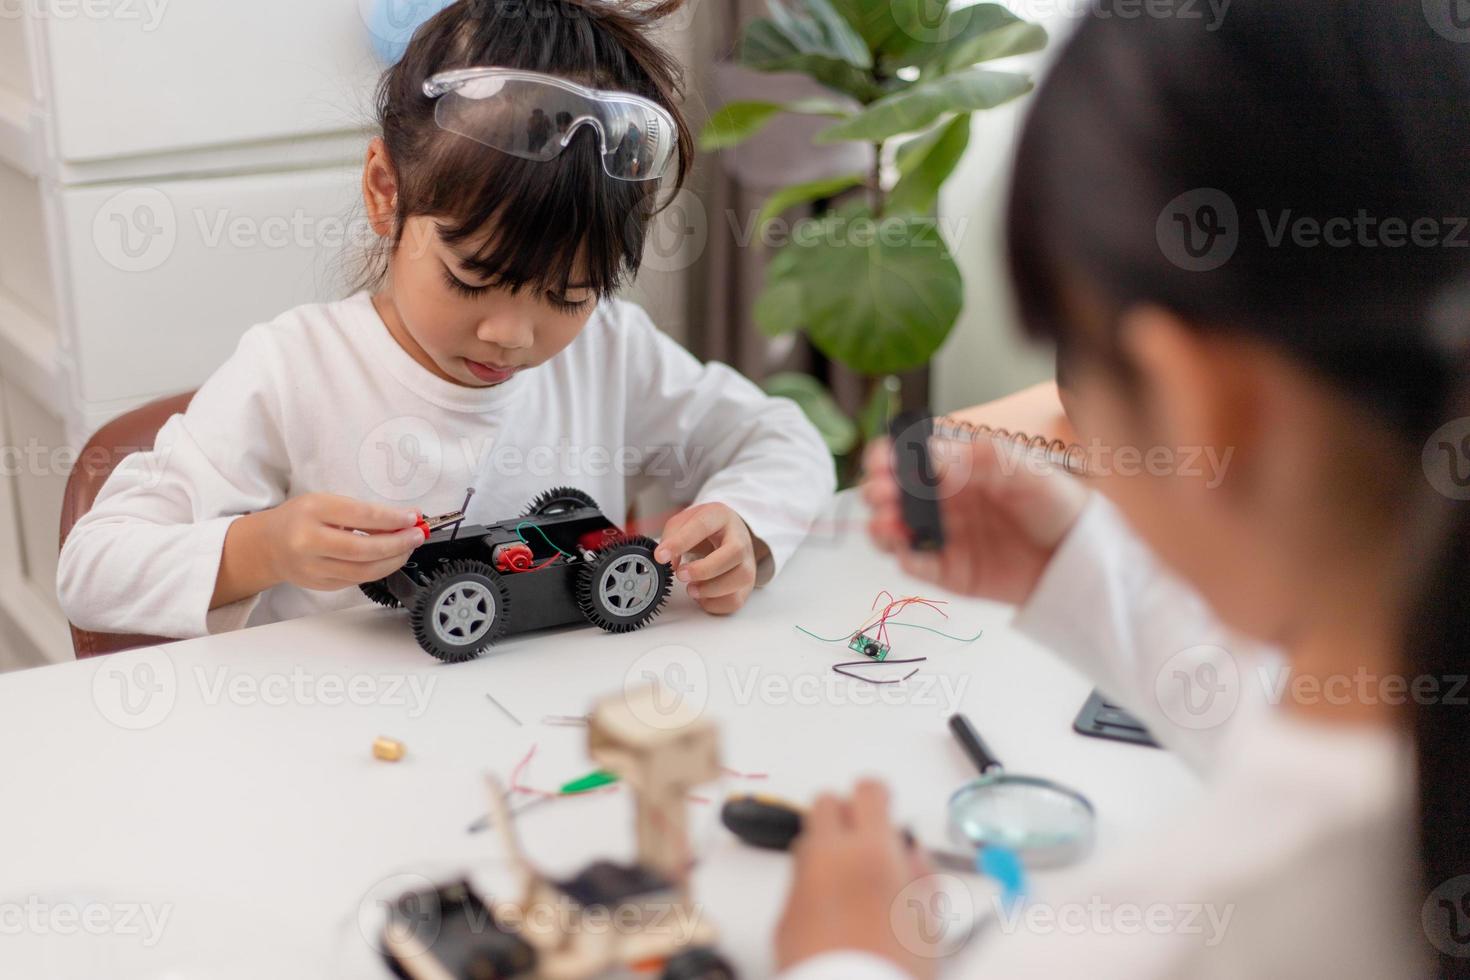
542	532
947	636
913	626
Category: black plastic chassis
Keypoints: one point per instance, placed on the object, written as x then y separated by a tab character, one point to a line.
566	591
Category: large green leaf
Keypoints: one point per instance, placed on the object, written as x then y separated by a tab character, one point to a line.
790	197
766	47
736	122
879	297
917	107
942	41
779	309
818	27
838	431
926	163
873	19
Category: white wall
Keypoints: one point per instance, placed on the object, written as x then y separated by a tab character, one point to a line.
986	356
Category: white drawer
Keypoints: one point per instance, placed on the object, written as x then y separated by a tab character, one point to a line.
158	76
25	274
37	461
166	277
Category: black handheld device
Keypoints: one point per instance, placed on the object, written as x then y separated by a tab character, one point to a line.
917	481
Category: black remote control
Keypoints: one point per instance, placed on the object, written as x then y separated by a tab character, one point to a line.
917	481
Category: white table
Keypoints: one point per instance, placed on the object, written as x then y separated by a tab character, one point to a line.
227	783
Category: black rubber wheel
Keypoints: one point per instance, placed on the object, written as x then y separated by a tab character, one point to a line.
560	500
621	588
461	611
378	592
700	963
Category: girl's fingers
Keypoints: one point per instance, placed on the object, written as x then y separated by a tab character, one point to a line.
878	457
346	546
870	808
359	514
724	605
729	555
922	565
688	529
730	582
353	572
828	815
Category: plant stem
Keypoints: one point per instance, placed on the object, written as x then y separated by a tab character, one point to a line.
880	196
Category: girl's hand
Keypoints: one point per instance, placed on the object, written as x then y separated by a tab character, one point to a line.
1004	517
723	576
310	542
851	867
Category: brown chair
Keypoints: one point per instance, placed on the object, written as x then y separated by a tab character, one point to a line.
134	431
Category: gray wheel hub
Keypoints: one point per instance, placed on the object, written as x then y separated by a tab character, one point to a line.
464	614
628	586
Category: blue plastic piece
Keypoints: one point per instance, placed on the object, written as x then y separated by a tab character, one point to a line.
1004	866
391	24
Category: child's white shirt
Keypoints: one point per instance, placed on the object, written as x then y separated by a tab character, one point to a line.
1298	862
323	399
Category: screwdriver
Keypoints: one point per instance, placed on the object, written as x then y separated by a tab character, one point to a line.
773	824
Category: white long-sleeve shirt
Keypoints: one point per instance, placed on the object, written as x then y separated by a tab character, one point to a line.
1298	863
323	399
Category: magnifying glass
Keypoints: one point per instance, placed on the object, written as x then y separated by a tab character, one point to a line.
1043	823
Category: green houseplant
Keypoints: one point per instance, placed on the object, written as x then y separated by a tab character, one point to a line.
872	282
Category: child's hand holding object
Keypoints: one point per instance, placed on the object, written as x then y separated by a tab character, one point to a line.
723	574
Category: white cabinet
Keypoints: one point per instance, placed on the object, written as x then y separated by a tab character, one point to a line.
166	276
160	76
165	182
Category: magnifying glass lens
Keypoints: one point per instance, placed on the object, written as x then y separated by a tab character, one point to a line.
1041	822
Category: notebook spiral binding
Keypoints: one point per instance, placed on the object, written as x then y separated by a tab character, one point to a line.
1071	456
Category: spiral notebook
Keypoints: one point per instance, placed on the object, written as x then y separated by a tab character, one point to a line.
1071	456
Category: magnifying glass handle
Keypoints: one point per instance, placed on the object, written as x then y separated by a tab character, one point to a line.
974	745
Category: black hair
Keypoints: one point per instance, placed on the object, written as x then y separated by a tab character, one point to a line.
1153	128
546	215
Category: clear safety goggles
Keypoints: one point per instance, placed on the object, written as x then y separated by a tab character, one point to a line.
534	116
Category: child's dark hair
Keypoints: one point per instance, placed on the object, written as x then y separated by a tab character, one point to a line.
1325	109
545	215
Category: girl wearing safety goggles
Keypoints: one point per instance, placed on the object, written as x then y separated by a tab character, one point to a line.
523	151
